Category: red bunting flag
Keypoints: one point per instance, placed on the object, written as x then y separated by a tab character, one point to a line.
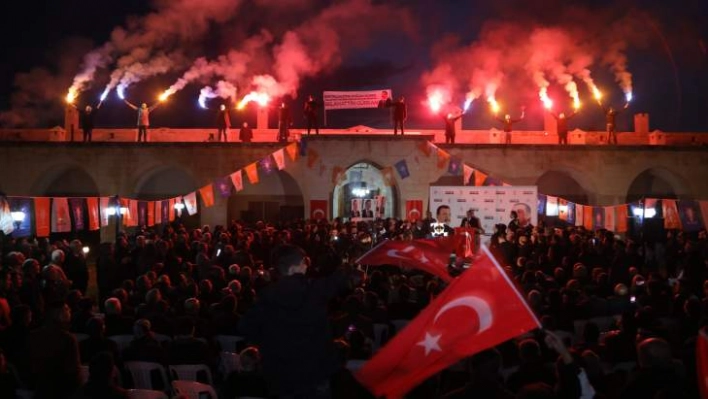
702	361
312	157
292	151
430	255
279	158
337	174
94	217
414	210
424	147
318	209
207	194
61	220
190	203
42	216
467	172
237	180
388	177
478	310
443	158
479	178
252	173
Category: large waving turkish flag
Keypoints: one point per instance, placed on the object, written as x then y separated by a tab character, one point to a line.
478	310
430	255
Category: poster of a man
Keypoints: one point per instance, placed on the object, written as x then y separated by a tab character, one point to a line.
368	211
385	100
690	216
356	208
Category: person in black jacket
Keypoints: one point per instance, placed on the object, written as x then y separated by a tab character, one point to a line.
223	122
562	126
400	114
509	124
87	120
290	326
611	116
450	120
284	122
311	106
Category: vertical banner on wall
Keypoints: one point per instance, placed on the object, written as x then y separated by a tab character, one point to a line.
492	205
207	194
142	213
571	213
588	220
105	203
610	221
42	216
671	215
562	209
78	211
551	205
61	219
151	213
690	215
622	216
171	209
414	210
318	209
579	215
94	215
380	201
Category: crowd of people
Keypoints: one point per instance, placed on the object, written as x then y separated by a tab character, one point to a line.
620	316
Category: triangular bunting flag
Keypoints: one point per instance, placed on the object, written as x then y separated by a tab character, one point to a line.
190	203
337	174
279	158
424	147
207	194
467	175
312	158
292	151
479	178
388	178
252	173
237	180
402	168
455	166
443	157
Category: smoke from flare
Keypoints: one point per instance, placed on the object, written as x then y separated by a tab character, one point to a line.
261	99
494	105
223	89
543	94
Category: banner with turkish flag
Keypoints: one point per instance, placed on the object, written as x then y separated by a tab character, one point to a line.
478	310
702	361
430	255
318	209
42	216
414	210
465	241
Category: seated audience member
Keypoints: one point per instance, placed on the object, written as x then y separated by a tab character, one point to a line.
102	380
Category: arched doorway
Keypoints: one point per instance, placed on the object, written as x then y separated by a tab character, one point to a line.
165	183
563	185
363	181
69	181
276	197
656	183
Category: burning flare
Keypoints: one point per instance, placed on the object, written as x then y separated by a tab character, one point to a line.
435	101
261	98
105	94
165	95
121	92
71	96
596	93
493	104
547	102
468	102
628	96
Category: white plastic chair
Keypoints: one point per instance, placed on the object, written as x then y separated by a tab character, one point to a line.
122	341
230	362
380	331
188	372
84	374
140	371
355	365
227	343
146	394
193	389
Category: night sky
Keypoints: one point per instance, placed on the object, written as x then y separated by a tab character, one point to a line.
667	55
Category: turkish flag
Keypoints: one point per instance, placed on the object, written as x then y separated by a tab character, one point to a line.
702	361
478	310
318	209
430	255
414	210
465	242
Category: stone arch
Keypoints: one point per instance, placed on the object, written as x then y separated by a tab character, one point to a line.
364	174
65	181
563	184
276	196
657	183
164	182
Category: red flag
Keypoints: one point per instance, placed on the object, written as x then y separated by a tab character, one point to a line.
151	213
252	173
702	361
443	157
479	178
478	310
207	194
465	242
42	216
430	255
292	151
414	210
94	217
318	209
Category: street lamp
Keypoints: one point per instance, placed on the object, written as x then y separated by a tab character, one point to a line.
115	209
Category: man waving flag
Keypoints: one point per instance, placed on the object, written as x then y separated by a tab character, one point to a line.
478	310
